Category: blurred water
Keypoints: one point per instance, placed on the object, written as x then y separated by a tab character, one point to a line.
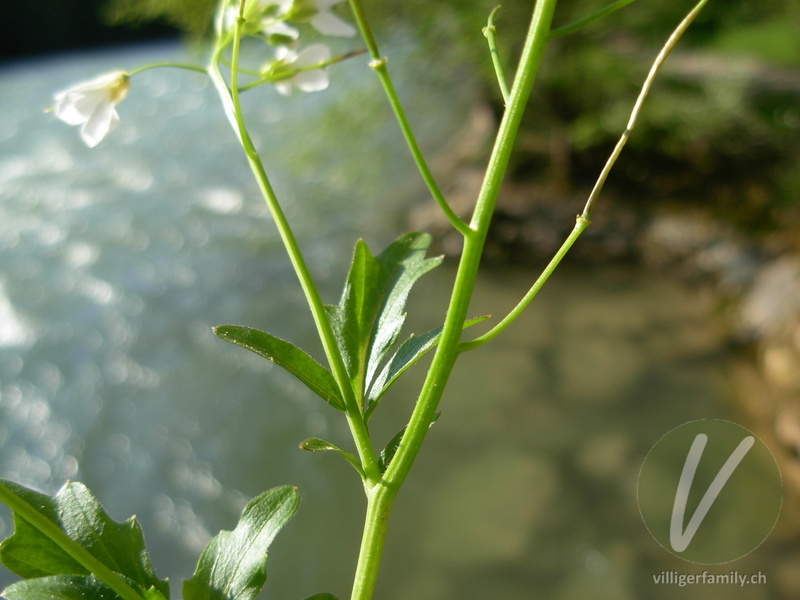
116	262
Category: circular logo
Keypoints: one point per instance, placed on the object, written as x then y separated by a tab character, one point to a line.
710	491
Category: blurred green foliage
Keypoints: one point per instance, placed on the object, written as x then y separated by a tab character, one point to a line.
720	128
721	124
191	16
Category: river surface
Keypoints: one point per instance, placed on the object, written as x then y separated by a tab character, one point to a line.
116	262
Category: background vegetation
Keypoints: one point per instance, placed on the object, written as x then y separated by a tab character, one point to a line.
720	133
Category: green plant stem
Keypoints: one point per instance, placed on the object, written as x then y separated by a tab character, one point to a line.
381	496
161	65
581	223
574	26
378	64
353	410
637	107
68	545
291	73
489	33
583	219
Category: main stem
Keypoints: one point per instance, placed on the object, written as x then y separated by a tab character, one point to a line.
381	496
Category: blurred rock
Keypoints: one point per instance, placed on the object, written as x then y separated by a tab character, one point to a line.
490	522
772	304
605	456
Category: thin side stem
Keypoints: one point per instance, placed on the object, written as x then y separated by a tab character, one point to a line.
161	65
637	107
489	32
378	64
583	220
447	349
353	411
291	73
580	226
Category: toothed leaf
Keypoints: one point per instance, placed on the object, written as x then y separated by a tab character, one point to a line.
233	564
67	587
87	535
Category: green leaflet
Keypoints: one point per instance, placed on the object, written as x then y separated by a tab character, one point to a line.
406	355
387	454
371	311
70	535
288	356
233	564
323	596
318	445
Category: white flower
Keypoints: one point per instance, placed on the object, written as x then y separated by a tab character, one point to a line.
329	24
274	28
307	81
229	17
317	12
92	104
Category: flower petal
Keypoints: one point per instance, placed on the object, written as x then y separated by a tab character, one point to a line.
104	120
273	27
284	87
323	5
285	54
76	107
329	24
105	81
312	55
311	81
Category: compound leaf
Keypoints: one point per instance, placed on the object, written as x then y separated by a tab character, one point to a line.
88	541
65	587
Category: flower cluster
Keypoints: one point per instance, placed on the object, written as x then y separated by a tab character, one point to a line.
92	104
278	18
277	23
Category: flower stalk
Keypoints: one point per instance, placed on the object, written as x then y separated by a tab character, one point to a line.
490	33
378	64
230	99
